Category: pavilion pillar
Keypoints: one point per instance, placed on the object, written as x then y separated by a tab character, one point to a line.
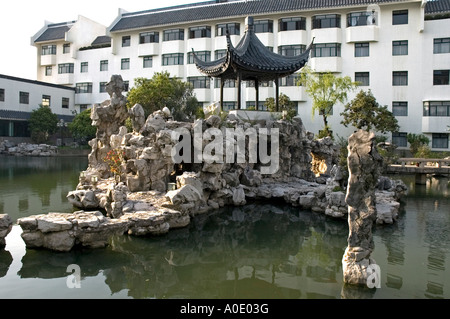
239	102
277	95
257	94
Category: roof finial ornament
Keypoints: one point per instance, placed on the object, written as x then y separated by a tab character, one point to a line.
249	23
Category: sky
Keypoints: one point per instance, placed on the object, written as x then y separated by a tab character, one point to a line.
20	20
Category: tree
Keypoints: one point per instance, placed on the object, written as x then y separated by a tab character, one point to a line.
364	112
163	91
42	123
417	142
81	127
326	90
285	104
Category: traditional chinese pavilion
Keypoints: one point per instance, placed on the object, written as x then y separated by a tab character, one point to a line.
251	60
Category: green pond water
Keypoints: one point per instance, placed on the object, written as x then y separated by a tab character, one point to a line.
255	251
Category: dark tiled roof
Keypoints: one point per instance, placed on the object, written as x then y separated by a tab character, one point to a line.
101	40
55	32
253	60
14	115
437	6
211	10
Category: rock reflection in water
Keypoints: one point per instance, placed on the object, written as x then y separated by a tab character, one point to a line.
256	251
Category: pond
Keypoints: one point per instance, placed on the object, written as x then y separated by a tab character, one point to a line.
257	251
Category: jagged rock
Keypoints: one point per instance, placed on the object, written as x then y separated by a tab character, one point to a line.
5	228
84	199
137	116
364	164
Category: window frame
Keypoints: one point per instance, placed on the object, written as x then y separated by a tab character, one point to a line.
443	78
361	18
24	97
364	76
46	100
199	82
333	21
400	108
84	67
83	88
145	62
397	78
66	68
125	63
400	136
263	26
291	24
173	35
48	70
2	95
326	46
399	47
66	48
398	17
104	65
233	27
436	109
126	41
361	48
441	138
149	37
199	32
65	102
205	56
48	49
439	45
291	49
167	59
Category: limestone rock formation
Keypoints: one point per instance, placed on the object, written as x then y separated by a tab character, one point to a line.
364	164
5	228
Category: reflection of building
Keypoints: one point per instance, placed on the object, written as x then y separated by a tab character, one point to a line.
398	49
19	97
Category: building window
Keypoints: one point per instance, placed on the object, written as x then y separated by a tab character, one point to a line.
361	18
147	62
48	70
125	64
441	77
199	82
48	50
441	45
228	83
262	84
200	32
399	78
263	26
126	41
2	95
218	54
233	29
290	80
289	24
400	47
66	48
362	78
84	68
291	50
362	49
326	50
104	65
173	35
228	106
251	105
65	68
24	98
400	17
400	139
46	100
436	108
173	59
326	21
205	56
83	88
149	37
102	87
439	140
83	107
126	86
65	102
400	108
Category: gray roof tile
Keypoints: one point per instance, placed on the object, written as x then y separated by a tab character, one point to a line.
55	32
439	6
212	10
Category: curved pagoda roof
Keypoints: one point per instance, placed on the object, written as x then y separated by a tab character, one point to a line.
252	59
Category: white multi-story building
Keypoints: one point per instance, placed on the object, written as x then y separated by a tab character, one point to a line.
19	97
399	49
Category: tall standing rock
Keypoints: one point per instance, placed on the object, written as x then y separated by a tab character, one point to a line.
364	164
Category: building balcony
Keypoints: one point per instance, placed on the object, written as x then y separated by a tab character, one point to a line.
327	64
203	95
176	46
192	70
266	38
327	35
295	93
65	79
83	98
148	49
174	70
48	59
292	37
229	94
221	42
200	44
365	33
435	124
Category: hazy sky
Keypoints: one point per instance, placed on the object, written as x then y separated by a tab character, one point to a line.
20	20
